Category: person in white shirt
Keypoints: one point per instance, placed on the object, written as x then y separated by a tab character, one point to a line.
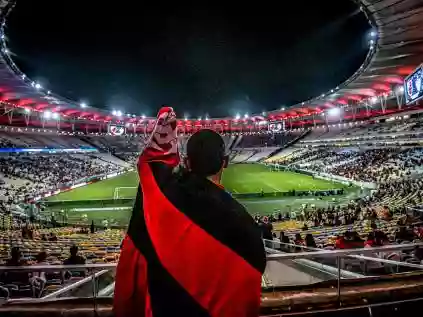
38	279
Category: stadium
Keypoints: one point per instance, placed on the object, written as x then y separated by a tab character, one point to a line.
338	178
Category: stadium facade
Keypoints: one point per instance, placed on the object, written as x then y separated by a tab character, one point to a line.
374	90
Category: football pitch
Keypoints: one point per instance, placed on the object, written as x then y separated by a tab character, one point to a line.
238	179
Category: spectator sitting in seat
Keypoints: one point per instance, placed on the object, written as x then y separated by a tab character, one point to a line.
370	242
74	259
283	239
38	280
15	277
15	258
309	241
299	241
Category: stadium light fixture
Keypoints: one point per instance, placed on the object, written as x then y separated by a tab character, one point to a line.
37	86
83	105
246	116
114	112
6	51
199	118
371	42
119	113
334	112
47	114
143	116
283	108
373	34
48	92
237	117
23	76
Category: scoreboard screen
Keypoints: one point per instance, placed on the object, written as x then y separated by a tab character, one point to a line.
277	126
413	86
116	129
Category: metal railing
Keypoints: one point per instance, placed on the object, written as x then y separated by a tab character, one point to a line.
98	270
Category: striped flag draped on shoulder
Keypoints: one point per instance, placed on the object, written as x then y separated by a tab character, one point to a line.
190	248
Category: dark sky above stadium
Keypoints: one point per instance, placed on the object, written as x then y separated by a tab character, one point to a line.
217	58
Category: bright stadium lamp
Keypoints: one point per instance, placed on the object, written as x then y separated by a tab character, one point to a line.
47	114
237	117
371	42
334	112
48	92
23	76
373	34
83	105
118	113
246	116
114	112
143	116
37	86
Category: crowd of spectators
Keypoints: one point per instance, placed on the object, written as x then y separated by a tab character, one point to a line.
25	176
379	165
270	140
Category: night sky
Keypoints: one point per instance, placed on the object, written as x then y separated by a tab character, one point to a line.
217	59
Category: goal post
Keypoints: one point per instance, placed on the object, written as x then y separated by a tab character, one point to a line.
124	192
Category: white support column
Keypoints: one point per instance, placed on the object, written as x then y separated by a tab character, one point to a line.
10	115
27	117
399	95
354	110
382	100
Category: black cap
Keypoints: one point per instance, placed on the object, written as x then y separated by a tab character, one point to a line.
206	152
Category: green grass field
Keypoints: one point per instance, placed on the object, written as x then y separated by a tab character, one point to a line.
254	178
240	178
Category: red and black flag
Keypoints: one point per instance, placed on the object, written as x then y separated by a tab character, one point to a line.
190	249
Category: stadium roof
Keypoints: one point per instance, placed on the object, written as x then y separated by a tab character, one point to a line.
395	50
